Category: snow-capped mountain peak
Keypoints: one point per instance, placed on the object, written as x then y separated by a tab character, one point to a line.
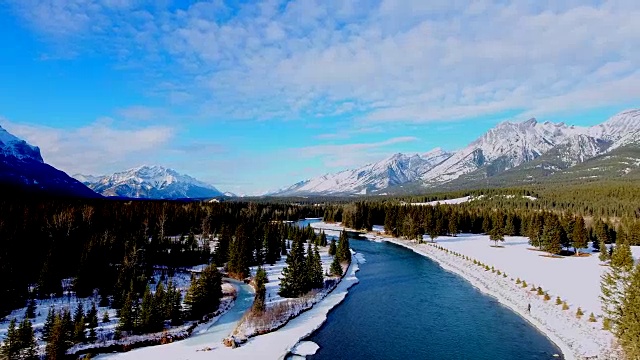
149	182
13	146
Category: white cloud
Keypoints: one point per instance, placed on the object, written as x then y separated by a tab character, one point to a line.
94	148
395	61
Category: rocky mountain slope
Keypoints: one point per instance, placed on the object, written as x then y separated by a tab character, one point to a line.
511	153
22	168
149	182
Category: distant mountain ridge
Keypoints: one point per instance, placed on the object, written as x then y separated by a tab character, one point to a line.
149	182
22	168
521	150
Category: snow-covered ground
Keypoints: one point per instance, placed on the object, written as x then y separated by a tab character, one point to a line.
467	199
575	280
105	331
274	345
289	307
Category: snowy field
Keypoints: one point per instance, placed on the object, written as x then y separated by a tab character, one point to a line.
467	199
105	330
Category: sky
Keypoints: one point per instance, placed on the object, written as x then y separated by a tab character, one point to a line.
252	96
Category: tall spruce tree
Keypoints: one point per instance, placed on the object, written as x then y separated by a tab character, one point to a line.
332	248
27	341
261	291
204	293
579	235
58	342
48	324
628	327
336	267
92	322
552	235
615	281
11	345
293	282
343	252
79	324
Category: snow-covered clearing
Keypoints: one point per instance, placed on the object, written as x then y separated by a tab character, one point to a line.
105	330
573	279
467	199
274	345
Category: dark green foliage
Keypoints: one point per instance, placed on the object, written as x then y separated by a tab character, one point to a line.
294	275
260	280
30	312
204	293
79	324
343	251
628	325
48	324
336	267
332	248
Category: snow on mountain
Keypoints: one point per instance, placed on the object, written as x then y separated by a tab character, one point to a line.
12	146
151	182
395	170
504	147
22	167
621	129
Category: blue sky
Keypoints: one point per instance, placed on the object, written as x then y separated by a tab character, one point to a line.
257	95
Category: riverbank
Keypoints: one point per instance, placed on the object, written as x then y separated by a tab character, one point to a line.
576	337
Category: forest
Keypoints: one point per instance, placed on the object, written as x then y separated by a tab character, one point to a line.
54	246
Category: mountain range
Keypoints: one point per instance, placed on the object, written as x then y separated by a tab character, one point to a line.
149	182
512	153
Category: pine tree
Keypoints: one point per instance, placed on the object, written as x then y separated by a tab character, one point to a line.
628	327
552	235
579	235
92	322
146	312
293	282
58	342
127	316
48	324
159	310
332	248
27	341
30	312
238	260
204	293
615	281
604	252
11	344
79	324
67	325
323	239
173	304
336	267
261	291
318	277
496	234
343	251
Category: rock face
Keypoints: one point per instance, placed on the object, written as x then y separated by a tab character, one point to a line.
149	182
507	146
22	167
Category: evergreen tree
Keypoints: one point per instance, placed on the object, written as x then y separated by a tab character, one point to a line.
318	275
48	324
615	281
159	310
323	239
173	304
497	233
204	293
579	235
453	224
92	322
510	226
67	325
604	252
336	267
30	312
79	324
260	281
332	248
146	312
343	251
27	341
293	282
238	260
222	248
105	317
552	235
58	341
11	344
127	319
628	327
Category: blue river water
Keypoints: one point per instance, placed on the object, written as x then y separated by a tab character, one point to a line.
407	307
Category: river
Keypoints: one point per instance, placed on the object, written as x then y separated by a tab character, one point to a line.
407	307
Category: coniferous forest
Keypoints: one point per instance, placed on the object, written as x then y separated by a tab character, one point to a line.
50	247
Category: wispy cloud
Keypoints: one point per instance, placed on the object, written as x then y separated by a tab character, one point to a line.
92	149
381	61
348	155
